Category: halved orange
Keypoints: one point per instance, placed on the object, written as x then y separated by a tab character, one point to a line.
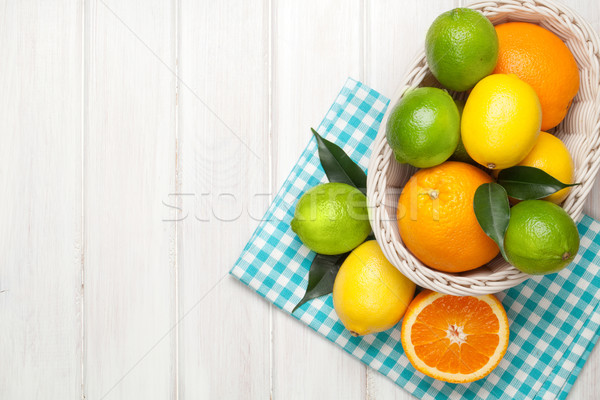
455	339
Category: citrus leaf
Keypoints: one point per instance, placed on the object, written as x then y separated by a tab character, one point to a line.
321	276
492	210
338	166
529	183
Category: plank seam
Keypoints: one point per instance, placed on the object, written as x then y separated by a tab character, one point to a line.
365	27
270	150
177	189
84	101
364	44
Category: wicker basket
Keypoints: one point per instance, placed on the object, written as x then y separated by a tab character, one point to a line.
580	131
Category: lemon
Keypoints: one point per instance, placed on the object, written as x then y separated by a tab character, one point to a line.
369	294
461	48
332	218
423	128
551	155
541	238
501	121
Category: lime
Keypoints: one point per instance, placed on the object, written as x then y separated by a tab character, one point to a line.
460	154
541	237
369	294
461	48
332	218
423	128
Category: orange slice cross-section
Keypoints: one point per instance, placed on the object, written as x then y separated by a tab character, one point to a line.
455	339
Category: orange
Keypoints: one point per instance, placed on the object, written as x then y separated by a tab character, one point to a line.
455	339
551	156
541	59
436	218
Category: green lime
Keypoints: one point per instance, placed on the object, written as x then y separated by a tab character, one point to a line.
460	154
541	237
424	127
461	48
332	218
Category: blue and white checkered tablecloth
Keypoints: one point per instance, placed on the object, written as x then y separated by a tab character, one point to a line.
554	319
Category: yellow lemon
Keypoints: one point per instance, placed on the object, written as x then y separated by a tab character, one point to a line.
501	121
551	155
369	294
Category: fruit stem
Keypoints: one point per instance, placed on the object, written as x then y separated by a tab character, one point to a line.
491	165
354	334
566	255
434	194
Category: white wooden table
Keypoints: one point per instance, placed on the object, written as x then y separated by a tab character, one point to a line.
142	140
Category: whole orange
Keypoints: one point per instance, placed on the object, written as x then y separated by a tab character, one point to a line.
538	57
436	218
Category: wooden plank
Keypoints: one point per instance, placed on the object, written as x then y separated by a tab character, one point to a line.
224	338
395	34
590	10
586	386
316	46
129	167
40	176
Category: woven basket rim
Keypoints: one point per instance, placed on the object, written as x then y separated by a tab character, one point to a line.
555	17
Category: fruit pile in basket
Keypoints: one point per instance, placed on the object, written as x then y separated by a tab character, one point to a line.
483	146
519	80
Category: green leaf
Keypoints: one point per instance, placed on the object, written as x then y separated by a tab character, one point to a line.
529	183
321	276
338	166
492	210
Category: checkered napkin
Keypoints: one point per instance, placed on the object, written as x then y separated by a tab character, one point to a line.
554	320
